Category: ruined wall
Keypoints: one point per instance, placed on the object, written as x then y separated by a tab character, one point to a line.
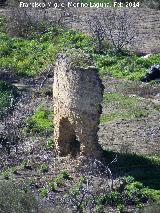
77	94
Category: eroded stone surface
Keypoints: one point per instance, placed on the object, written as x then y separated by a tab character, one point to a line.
77	94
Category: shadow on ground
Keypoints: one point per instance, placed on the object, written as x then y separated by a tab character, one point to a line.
143	169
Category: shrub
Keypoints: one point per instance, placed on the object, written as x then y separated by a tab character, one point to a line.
103	25
14	200
129	192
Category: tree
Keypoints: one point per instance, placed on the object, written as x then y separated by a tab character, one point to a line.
97	30
115	25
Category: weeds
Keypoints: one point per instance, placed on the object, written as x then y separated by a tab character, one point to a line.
125	107
40	123
44	168
13	199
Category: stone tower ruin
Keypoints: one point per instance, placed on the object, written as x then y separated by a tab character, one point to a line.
77	95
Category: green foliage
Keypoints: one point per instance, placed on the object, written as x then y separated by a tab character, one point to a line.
129	192
30	56
44	168
66	175
124	107
50	145
14	170
58	181
5	174
53	185
7	95
14	200
25	56
43	192
130	67
76	189
40	123
144	169
100	208
76	40
26	164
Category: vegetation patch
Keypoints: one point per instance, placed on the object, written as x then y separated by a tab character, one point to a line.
40	123
30	56
131	67
13	199
128	192
123	107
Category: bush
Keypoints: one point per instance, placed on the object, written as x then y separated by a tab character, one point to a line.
15	200
129	192
43	192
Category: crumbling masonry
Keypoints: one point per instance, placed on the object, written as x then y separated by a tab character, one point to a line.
77	95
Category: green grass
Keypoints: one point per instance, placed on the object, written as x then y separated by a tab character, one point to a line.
7	95
130	67
25	56
30	56
123	107
40	123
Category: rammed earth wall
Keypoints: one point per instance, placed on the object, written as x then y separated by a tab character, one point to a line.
77	94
